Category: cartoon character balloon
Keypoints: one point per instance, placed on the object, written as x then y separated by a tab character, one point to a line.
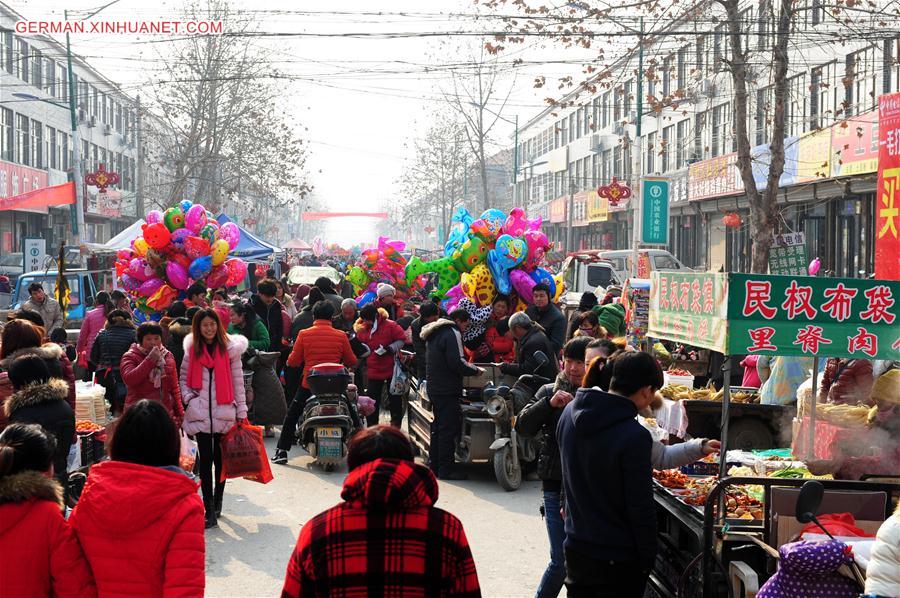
478	285
157	235
448	276
173	219
508	253
470	254
522	283
515	224
195	218
219	252
538	246
459	230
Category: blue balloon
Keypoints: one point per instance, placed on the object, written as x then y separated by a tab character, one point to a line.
459	230
200	267
541	276
139	316
185	205
365	298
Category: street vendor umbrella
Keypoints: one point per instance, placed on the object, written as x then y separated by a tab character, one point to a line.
250	247
298	244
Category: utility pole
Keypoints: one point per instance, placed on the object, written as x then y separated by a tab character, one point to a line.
570	239
139	166
77	177
636	159
515	169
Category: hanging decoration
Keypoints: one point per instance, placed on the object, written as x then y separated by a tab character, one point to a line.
732	220
615	192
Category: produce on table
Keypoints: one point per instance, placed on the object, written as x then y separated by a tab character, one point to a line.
678	372
843	415
86	426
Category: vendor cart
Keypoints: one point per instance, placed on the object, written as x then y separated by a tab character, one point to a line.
707	538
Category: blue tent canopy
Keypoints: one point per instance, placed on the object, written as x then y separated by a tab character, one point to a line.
251	247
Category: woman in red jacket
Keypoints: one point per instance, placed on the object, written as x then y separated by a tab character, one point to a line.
140	519
148	370
41	556
385	338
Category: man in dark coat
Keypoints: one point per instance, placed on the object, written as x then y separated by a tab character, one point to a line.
530	338
428	313
610	541
548	316
541	416
444	375
325	285
268	308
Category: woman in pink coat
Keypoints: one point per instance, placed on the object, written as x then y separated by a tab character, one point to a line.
94	322
212	387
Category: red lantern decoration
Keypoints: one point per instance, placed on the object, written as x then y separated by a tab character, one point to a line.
429	229
101	179
615	192
731	220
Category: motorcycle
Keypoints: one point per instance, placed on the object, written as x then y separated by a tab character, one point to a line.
329	417
502	404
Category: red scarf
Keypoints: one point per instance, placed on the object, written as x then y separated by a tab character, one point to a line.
221	367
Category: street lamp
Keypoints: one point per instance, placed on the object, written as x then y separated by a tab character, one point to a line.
76	153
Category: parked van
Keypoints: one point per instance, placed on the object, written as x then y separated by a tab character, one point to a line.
659	259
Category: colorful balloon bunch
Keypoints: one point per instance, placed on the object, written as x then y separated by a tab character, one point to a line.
383	263
497	253
183	245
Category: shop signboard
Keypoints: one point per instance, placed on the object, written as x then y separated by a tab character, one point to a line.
678	188
716	177
887	197
558	209
788	255
16	180
655	211
854	145
690	308
597	207
34	254
811	316
813	156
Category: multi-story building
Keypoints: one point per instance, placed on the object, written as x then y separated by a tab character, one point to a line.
36	138
828	189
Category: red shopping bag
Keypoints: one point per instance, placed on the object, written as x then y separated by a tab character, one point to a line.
244	454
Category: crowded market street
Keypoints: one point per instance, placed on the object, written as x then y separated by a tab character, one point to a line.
247	554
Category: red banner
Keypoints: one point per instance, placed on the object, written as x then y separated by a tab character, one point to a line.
887	200
324	215
59	195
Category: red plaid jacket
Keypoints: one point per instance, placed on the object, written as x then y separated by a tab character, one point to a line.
387	539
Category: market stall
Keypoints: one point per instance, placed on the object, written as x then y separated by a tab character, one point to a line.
707	520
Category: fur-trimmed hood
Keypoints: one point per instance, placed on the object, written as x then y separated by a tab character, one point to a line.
36	394
27	485
46	351
180	328
429	329
237	344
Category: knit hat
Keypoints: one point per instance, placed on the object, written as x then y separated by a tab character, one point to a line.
612	317
384	290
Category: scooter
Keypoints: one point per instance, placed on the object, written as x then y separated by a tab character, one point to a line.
503	404
329	417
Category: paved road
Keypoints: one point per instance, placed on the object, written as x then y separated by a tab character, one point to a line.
247	555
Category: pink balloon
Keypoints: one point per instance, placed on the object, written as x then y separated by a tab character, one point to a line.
231	234
179	236
237	271
154	217
814	267
177	275
139	269
124	254
538	246
196	247
149	287
195	219
516	223
535	224
218	277
522	283
129	283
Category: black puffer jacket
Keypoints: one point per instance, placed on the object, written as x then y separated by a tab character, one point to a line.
553	322
111	344
539	417
419	347
447	365
535	340
178	329
271	317
45	404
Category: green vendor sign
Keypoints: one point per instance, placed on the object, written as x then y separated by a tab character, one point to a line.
807	316
740	314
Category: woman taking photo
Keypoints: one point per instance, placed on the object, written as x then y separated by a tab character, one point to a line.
41	556
244	321
139	519
212	384
149	372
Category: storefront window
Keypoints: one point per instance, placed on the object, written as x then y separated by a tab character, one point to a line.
853	251
738	247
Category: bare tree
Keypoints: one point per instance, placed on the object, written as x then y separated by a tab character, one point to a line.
431	185
224	128
471	98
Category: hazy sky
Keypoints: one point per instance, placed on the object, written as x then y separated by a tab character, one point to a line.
363	100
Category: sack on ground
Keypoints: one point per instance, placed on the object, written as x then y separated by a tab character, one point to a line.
244	454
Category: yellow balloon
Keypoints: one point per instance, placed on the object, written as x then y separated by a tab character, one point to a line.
140	246
560	287
219	252
478	285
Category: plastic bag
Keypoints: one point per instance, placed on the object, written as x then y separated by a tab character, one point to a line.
399	381
188	453
244	454
73	461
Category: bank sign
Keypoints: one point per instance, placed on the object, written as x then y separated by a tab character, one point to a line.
747	314
655	211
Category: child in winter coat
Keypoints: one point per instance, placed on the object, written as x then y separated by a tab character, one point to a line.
41	556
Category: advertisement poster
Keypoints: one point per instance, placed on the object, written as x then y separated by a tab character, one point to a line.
690	308
887	199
